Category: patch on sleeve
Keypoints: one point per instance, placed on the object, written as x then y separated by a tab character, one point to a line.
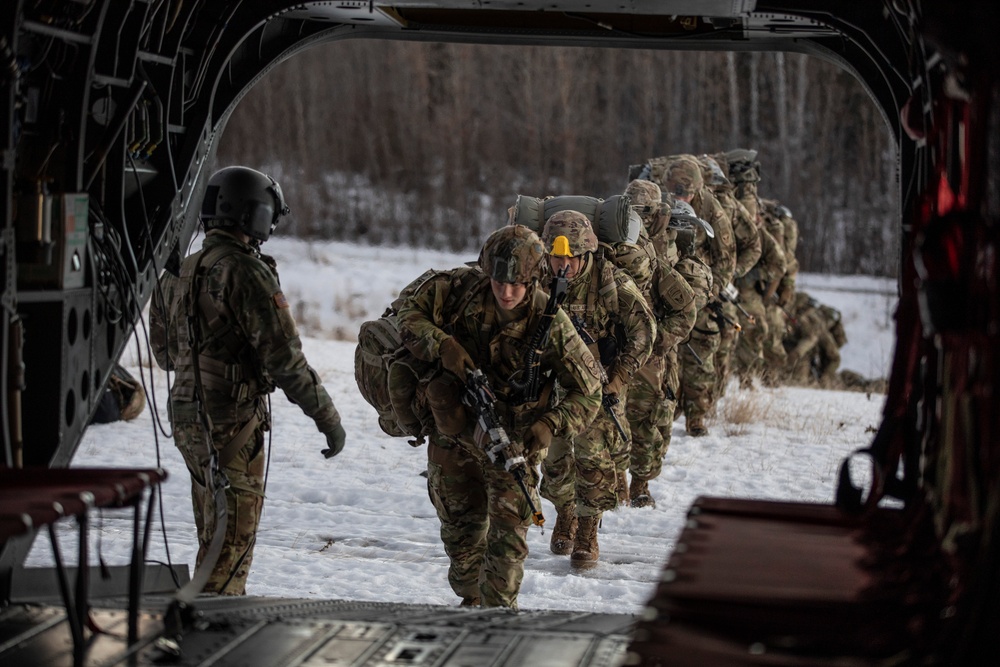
280	301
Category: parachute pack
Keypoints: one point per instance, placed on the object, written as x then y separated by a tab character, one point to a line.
613	219
381	360
388	376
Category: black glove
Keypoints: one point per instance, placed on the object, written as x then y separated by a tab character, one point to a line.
335	442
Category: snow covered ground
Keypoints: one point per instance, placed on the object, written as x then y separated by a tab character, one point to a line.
361	527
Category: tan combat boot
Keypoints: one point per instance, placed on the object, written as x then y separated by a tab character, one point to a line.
641	497
621	487
585	549
695	426
565	531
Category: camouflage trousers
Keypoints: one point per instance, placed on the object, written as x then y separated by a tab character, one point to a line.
484	521
244	502
698	374
647	405
582	470
728	336
671	386
748	358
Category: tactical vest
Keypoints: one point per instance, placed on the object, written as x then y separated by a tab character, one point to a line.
595	315
238	374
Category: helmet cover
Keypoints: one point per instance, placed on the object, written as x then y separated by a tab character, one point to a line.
512	254
575	227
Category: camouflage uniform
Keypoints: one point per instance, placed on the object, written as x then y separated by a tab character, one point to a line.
777	319
790	237
612	310
748	252
260	347
698	379
812	351
672	301
483	512
749	354
743	170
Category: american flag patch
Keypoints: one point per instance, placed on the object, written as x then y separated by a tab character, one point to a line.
280	301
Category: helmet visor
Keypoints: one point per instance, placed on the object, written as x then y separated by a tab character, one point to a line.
261	219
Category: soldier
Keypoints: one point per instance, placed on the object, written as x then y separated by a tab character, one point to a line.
484	318
609	311
749	353
683	179
813	354
673	304
777	319
748	250
790	236
743	171
224	326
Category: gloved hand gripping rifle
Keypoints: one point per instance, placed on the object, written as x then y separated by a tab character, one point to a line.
500	450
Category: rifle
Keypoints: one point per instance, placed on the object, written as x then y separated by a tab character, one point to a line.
501	451
527	390
608	401
582	330
701	362
730	295
720	317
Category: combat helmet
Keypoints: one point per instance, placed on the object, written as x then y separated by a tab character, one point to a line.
512	254
643	193
569	234
243	198
712	171
801	301
743	165
683	176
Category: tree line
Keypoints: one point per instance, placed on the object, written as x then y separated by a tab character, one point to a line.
427	144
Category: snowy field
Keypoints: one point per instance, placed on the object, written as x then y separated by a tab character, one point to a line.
361	527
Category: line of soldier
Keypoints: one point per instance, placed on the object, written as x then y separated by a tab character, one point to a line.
646	327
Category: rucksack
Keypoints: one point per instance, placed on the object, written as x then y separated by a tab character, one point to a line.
388	376
613	219
380	354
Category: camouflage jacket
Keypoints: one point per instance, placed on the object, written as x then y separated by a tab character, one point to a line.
240	361
719	253
698	275
748	244
460	303
790	237
604	302
668	295
770	266
675	307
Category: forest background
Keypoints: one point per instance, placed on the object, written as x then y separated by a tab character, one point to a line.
453	132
